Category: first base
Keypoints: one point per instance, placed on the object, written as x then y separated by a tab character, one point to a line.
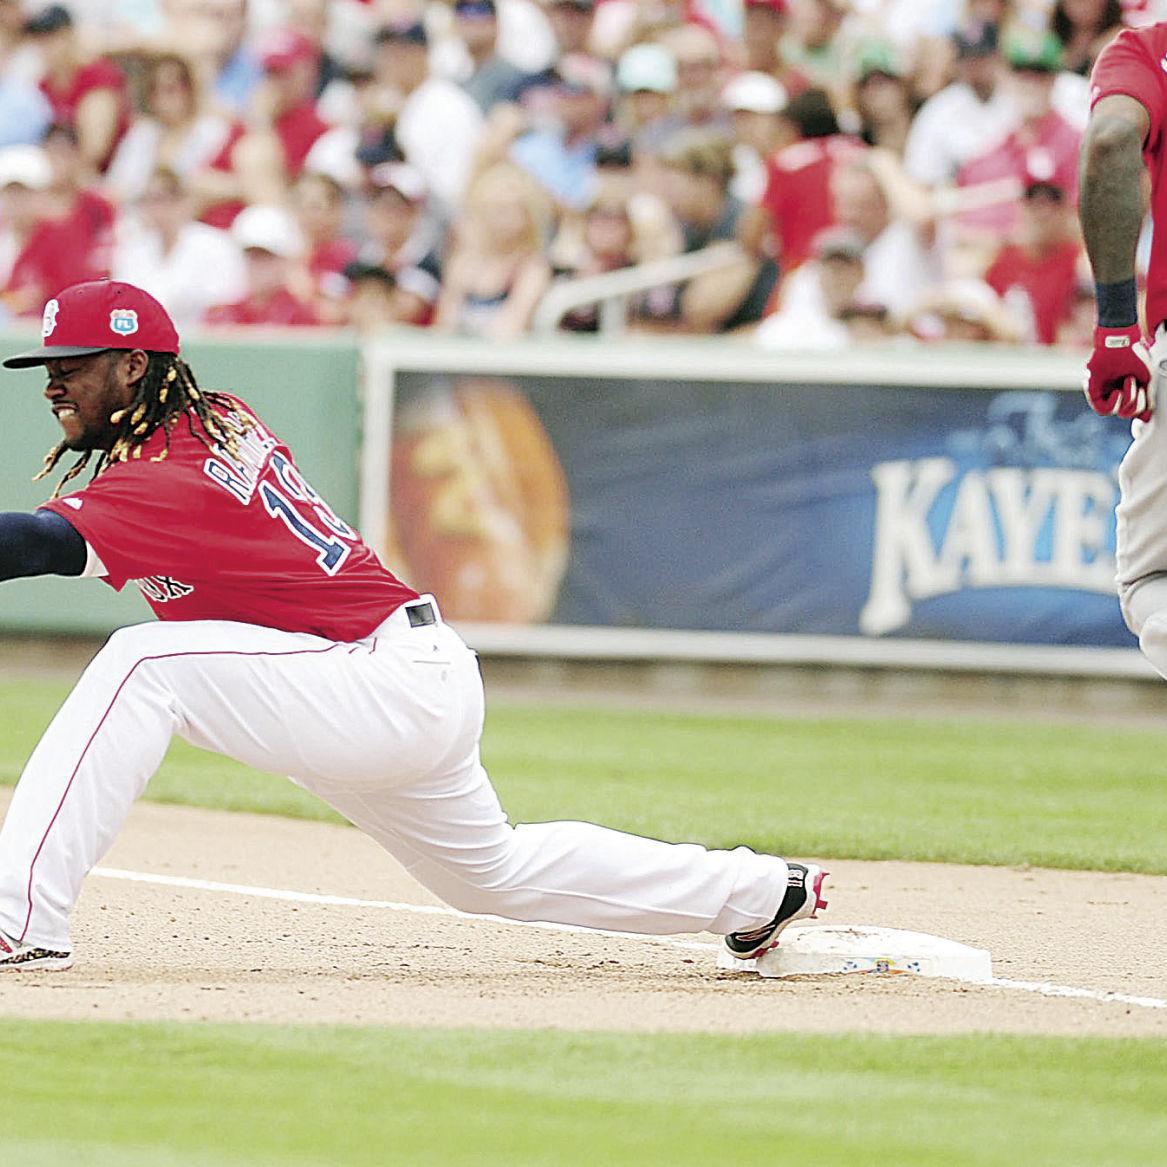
851	949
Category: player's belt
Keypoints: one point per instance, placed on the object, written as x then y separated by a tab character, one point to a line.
420	614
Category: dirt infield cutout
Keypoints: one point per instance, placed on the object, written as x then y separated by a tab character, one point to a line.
153	951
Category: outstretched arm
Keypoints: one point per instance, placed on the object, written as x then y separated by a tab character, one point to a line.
41	543
1111	207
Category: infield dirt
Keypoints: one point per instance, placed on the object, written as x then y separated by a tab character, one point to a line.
151	952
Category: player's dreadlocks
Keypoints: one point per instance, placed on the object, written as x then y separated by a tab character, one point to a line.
166	394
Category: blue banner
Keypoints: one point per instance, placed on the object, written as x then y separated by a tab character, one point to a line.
957	514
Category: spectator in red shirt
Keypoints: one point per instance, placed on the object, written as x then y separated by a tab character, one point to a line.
1037	275
65	232
89	95
318	203
291	63
796	204
273	248
177	130
25	175
1044	145
85	217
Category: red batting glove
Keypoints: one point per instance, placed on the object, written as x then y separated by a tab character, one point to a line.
1118	374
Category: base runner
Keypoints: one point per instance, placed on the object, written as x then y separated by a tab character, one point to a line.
1125	142
283	642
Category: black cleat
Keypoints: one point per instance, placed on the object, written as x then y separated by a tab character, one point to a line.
803	899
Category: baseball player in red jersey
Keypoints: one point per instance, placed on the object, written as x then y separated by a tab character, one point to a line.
283	641
1126	138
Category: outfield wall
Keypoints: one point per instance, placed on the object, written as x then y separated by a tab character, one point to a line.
901	507
662	499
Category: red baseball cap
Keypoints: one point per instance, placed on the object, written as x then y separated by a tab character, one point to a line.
281	48
99	315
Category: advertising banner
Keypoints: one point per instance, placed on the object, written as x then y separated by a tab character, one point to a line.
878	511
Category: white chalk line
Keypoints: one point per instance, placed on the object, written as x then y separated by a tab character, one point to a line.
1043	988
308	897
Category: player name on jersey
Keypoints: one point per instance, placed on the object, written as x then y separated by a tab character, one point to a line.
240	474
938	532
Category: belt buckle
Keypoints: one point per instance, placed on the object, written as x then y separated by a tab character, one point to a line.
420	615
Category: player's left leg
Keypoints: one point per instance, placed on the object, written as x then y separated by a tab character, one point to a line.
448	830
1144	608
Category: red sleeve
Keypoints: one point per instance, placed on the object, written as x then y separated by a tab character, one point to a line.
1001	271
1132	65
222	160
100	74
138	523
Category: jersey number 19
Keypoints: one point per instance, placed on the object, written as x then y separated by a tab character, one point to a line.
289	498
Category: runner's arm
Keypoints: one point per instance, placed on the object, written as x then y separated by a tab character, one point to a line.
1111	204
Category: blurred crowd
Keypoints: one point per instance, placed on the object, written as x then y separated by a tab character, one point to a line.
857	170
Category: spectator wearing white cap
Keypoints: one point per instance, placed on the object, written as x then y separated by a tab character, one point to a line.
646	84
401	237
273	249
159	246
755	102
24	175
63	230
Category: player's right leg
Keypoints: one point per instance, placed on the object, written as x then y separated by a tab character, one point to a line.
146	684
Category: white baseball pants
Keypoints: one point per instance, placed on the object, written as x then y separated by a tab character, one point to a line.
386	730
1141	550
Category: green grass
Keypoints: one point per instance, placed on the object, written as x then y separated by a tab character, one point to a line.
1000	792
156	1095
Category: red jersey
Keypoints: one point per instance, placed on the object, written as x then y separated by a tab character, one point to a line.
281	308
99	74
798	194
222	214
1048	281
1132	64
64	251
208	536
297	131
1046	152
332	256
